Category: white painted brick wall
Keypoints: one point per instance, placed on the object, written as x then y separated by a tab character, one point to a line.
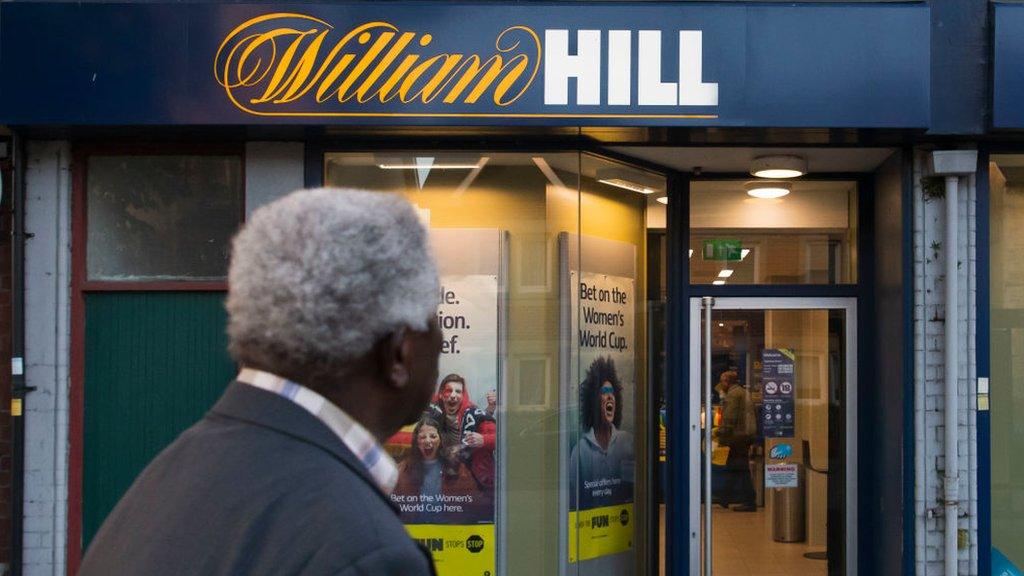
47	337
929	311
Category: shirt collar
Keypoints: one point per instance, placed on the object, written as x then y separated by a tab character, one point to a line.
355	437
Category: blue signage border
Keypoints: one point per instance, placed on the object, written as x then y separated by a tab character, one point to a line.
434	63
1008	69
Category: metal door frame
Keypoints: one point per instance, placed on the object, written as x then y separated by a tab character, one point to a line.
698	386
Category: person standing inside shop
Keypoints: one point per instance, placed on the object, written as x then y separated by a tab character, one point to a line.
733	432
332	305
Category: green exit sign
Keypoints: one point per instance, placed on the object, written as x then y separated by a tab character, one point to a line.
719	249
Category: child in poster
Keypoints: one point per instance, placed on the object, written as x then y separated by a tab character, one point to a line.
434	485
451	453
446	480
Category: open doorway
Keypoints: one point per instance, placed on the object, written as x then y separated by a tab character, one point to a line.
801	249
773	388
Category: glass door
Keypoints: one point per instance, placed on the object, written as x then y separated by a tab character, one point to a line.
772	436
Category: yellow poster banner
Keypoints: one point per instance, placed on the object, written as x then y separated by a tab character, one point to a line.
458	550
600	532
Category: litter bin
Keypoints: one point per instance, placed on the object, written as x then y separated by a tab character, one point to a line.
757	475
789	523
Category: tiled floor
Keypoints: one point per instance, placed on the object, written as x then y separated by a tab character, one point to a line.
743	546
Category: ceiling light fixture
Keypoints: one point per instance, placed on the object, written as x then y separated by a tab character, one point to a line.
662	199
782	166
767	188
744	253
627	185
718	282
631	180
725	273
431	166
691	253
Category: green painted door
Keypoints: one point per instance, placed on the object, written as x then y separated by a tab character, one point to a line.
154	363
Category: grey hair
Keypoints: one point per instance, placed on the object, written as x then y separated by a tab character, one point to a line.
319	276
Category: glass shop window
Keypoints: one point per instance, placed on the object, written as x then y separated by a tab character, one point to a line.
543	305
802	232
1006	217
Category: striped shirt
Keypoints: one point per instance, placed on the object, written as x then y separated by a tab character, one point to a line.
355	437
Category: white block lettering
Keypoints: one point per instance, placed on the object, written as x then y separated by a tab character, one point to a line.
620	67
584	66
692	90
651	91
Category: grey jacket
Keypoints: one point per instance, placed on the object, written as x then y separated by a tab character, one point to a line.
733	427
259	487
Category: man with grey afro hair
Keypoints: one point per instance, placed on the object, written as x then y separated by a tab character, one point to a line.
332	307
319	276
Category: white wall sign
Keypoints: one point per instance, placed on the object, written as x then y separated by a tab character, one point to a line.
781	475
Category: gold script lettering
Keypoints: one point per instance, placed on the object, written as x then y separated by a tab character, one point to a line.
277	59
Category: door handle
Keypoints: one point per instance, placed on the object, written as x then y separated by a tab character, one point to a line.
709	420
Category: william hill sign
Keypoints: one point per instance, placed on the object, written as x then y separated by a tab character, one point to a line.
288	64
446	63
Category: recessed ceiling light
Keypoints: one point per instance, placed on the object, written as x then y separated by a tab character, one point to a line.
782	166
767	188
718	282
725	273
743	253
721	324
662	199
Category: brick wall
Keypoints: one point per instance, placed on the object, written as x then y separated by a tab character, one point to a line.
929	317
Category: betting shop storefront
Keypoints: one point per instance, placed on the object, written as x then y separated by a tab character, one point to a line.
635	207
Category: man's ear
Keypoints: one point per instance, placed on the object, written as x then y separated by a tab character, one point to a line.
395	353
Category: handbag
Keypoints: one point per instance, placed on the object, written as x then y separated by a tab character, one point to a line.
719	454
